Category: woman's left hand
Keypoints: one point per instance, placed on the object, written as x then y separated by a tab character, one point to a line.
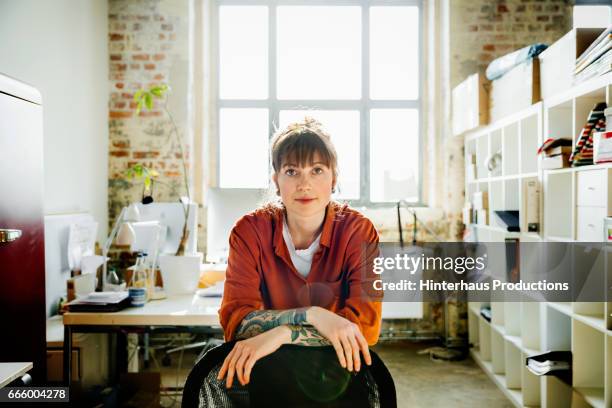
242	358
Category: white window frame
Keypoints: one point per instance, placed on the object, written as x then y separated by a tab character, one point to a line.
363	105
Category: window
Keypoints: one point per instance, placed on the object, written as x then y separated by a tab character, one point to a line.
354	65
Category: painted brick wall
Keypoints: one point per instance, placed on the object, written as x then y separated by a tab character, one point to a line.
482	30
148	44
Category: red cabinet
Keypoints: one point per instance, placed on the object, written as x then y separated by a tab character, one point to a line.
22	259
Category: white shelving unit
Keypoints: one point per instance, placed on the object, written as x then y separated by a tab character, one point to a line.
573	203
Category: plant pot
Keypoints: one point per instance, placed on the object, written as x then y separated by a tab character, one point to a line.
180	273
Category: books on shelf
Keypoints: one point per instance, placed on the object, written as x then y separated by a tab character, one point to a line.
596	60
555	152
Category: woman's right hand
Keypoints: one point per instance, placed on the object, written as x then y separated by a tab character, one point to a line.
344	335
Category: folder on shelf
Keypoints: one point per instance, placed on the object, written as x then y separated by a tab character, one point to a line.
485	311
510	218
557	363
531	194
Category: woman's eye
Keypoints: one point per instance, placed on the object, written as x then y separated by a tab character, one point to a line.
290	172
317	170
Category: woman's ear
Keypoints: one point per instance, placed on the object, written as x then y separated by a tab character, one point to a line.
275	180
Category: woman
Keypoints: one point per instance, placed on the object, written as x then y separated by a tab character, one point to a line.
299	271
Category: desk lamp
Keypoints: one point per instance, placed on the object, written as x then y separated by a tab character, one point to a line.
122	229
404	203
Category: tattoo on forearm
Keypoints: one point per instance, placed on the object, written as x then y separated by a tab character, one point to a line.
260	321
307	336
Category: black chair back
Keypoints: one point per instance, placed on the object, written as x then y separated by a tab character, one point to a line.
311	368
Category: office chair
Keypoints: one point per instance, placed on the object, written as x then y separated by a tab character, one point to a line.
293	376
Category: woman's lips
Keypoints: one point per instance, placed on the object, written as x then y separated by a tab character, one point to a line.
304	200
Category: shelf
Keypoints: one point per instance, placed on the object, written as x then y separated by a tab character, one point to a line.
594	396
581	89
516	340
515	396
579	168
520	329
563	307
596	322
509	234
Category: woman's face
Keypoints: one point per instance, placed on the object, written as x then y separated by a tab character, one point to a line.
307	190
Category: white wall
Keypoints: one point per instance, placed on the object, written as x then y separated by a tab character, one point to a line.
61	48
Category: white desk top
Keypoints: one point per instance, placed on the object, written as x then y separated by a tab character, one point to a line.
182	310
12	371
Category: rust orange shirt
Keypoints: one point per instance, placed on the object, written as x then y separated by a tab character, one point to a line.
261	276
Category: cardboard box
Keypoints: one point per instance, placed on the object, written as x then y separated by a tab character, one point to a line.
557	62
481	200
518	89
470	101
482	217
467	214
531	195
556	162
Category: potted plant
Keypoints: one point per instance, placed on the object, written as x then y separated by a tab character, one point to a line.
180	272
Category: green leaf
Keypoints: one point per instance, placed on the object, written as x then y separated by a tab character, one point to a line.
139	106
148	101
294	335
147	182
158	90
138	95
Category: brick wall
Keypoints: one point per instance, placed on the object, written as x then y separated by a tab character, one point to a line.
148	45
482	30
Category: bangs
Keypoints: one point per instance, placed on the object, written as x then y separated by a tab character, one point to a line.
300	148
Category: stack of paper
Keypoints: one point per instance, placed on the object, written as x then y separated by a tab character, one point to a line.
101	298
558	363
97	302
541	368
596	60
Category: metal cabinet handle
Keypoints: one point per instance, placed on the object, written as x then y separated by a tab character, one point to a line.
9	235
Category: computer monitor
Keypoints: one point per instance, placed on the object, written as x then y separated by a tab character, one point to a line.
224	207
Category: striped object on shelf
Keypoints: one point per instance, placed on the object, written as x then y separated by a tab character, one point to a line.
583	151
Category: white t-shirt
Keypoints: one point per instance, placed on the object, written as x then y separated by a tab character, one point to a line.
301	258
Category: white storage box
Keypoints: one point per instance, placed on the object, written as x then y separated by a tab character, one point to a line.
558	61
470	104
518	89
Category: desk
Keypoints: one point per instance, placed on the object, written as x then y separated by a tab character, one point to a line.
174	311
11	371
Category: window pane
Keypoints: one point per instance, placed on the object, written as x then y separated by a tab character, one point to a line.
394	154
243	145
319	52
394	52
243	52
343	127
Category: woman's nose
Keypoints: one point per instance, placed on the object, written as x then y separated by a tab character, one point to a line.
304	183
